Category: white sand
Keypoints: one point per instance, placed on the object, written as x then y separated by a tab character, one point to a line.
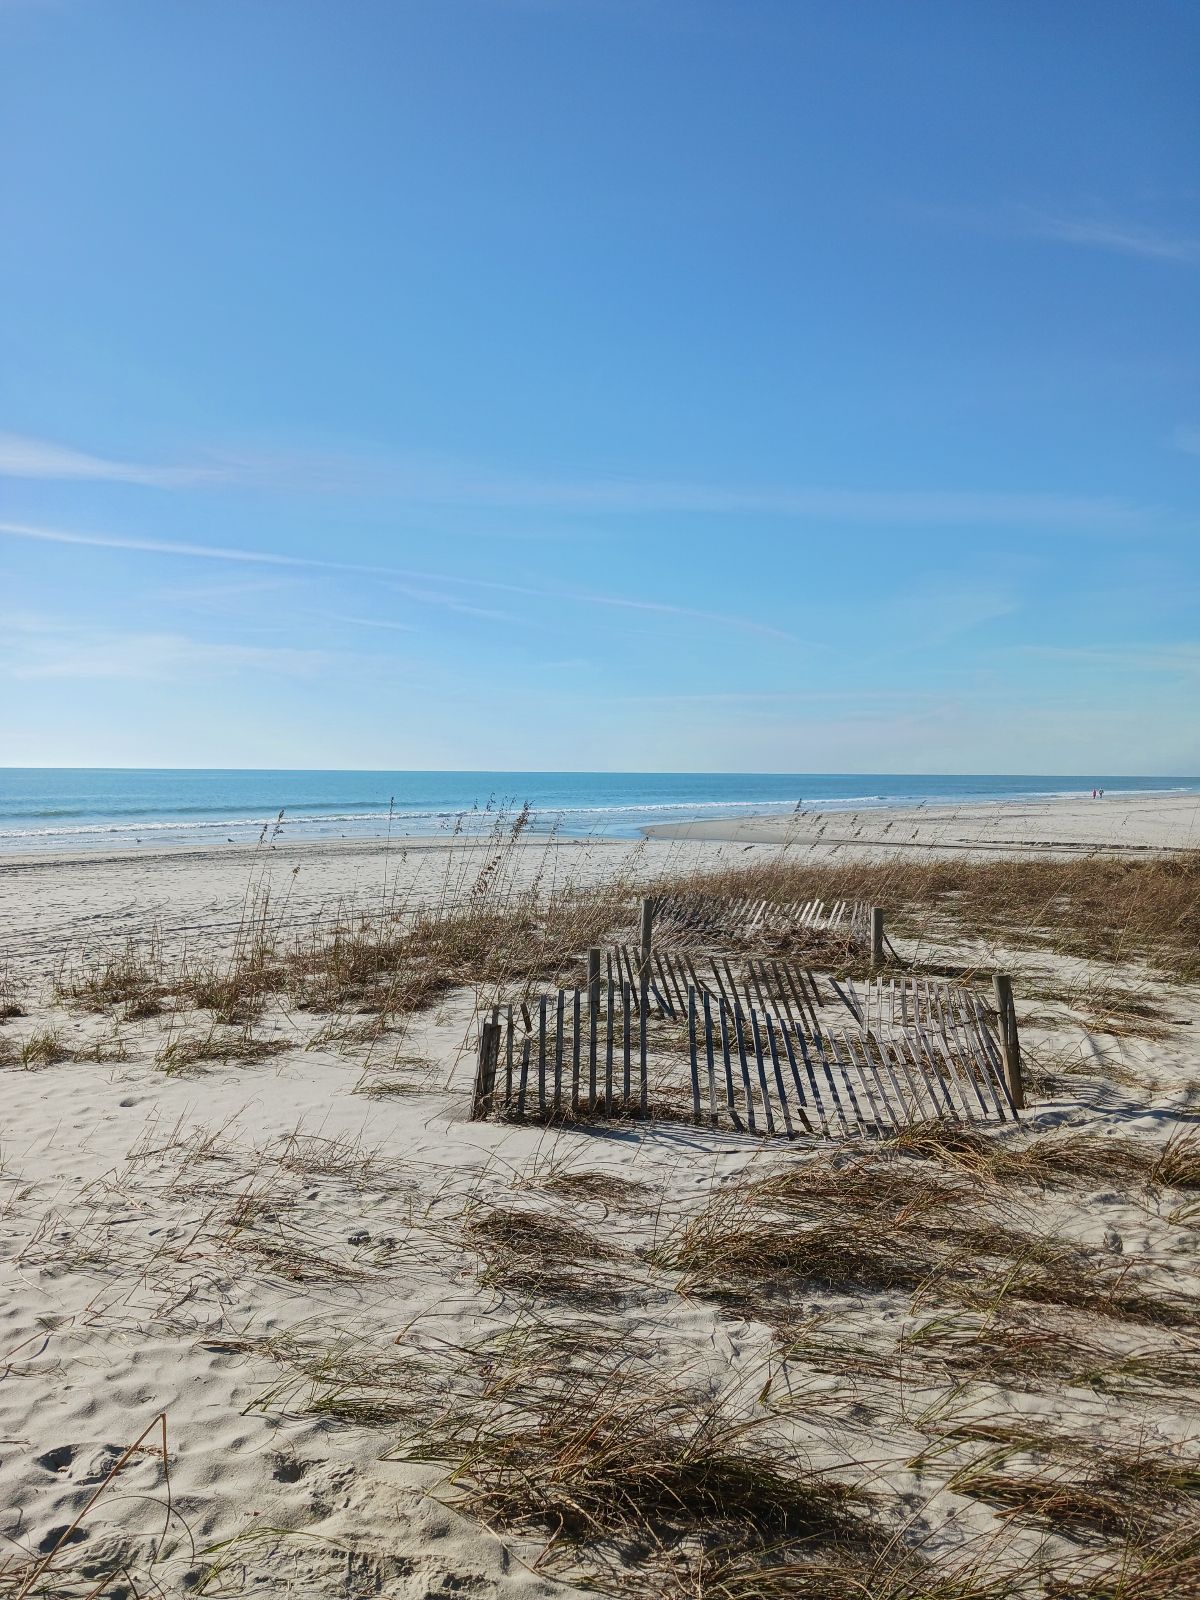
1118	823
134	1281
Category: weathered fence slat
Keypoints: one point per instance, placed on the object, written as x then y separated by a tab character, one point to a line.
779	1088
558	1050
524	1079
608	1039
708	1048
692	1052
762	1073
626	1041
593	1023
576	1042
730	1098
748	1091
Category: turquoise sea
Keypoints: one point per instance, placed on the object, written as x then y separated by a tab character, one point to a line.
49	809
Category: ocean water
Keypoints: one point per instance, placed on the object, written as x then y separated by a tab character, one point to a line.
56	809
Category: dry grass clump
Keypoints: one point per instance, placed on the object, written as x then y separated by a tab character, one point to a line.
1031	1346
1112	1494
1165	1566
761	1269
650	1472
889	1191
865	1226
893	1575
602	1188
237	995
1178	1167
369	966
493	941
755	1258
1055	1158
133	978
531	1233
1101	907
1013	1348
1124	1013
185	1051
43	1048
534	1255
1075	1484
638	1482
849	1223
10	995
987	1264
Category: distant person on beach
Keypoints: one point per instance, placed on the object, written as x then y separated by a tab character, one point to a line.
1093	794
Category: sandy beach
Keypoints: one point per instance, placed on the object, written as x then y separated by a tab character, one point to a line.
195	895
1117	822
276	1249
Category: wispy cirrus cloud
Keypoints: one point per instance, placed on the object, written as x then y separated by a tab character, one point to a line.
1180	657
405	576
463	485
21	457
36	648
1086	230
1123	238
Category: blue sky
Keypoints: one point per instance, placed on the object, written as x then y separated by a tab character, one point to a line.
631	384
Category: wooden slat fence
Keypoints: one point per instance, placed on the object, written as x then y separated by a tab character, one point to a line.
553	1055
758	1055
691	918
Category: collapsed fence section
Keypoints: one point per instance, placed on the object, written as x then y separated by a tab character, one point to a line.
759	1055
689	918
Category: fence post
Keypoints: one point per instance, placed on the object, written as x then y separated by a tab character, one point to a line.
1010	1043
485	1071
647	939
593	1022
876	936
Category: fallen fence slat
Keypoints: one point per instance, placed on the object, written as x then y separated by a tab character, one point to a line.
749	1092
779	1088
762	1073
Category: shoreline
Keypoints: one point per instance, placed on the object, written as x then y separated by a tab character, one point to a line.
1128	822
161	814
1124	820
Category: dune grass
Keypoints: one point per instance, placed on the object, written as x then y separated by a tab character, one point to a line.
1055	1159
1104	908
865	1225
